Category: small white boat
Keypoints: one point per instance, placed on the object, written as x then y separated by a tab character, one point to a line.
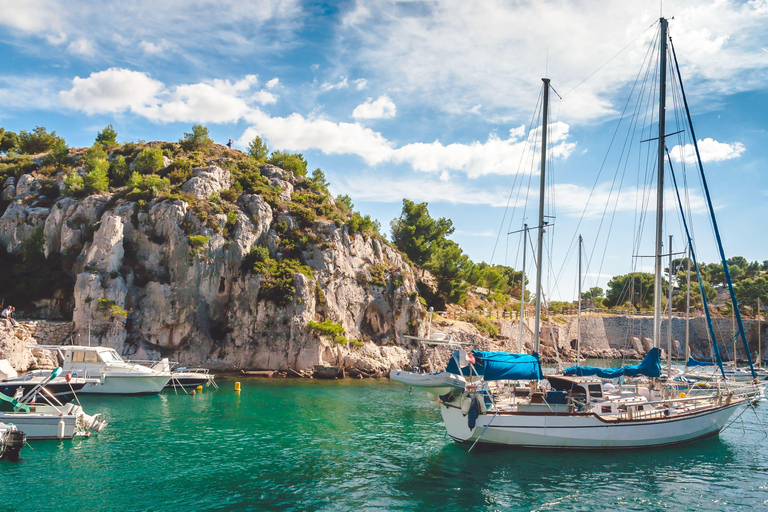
440	383
49	421
116	376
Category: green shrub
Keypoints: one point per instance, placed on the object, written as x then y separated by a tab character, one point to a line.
59	154
38	141
483	324
8	141
107	137
149	161
258	150
292	162
146	187
363	225
110	309
377	275
326	327
304	216
197	242
73	185
97	180
197	140
118	171
180	171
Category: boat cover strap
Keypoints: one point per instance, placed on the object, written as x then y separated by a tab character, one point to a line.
650	367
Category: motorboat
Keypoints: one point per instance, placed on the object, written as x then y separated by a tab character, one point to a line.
116	376
183	377
12	440
52	420
62	388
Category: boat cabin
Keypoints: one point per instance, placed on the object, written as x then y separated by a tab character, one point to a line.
584	388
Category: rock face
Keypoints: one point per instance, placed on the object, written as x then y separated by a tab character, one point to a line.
145	289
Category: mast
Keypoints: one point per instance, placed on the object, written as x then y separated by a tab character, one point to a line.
669	312
688	308
578	322
540	248
660	184
759	345
522	290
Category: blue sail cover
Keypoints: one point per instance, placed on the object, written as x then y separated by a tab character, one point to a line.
508	366
694	362
650	367
466	371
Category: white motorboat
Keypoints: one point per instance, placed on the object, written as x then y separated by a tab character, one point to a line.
116	376
62	388
49	421
183	377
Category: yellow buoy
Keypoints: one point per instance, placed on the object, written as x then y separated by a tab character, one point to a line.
682	395
199	388
237	386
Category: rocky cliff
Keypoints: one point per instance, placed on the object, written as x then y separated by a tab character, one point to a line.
174	276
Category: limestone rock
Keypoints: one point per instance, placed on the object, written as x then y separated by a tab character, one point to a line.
206	181
18	223
9	193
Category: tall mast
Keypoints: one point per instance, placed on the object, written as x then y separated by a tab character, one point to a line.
578	322
522	290
660	183
759	344
669	312
540	248
688	307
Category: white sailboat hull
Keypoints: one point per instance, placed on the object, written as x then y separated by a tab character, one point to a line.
129	384
584	431
440	383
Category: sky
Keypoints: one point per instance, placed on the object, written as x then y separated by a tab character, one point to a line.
429	101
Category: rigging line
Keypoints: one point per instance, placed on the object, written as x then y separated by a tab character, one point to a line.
511	190
612	58
610	145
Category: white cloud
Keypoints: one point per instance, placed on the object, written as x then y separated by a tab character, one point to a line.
82	46
152	48
368	188
264	97
710	151
273	83
421	50
381	108
117	90
360	84
261	24
330	86
112	90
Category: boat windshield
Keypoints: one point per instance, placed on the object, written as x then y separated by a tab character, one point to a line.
110	356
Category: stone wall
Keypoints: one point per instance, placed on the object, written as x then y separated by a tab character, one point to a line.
616	336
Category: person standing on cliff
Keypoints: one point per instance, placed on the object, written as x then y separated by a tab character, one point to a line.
229	144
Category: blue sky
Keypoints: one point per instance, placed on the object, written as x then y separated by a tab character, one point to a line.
425	100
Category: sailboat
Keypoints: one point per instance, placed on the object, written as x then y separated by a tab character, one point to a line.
578	409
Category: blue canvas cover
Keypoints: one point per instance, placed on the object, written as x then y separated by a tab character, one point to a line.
508	366
650	367
694	362
466	371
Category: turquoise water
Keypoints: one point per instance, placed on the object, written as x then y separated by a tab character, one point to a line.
357	445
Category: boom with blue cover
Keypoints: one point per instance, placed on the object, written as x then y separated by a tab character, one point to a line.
501	366
650	367
693	362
